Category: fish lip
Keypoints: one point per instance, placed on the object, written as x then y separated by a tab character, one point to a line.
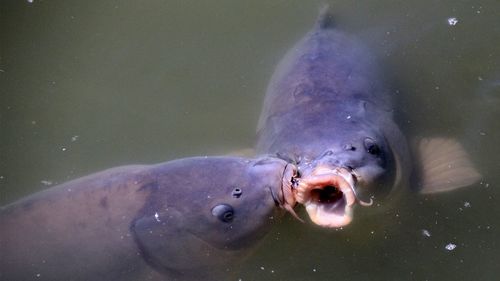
332	214
286	198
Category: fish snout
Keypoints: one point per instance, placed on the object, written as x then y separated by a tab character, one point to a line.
286	199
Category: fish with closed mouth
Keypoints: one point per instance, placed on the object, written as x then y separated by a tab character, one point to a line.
188	219
328	110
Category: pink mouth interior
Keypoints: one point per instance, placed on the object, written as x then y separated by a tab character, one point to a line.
328	196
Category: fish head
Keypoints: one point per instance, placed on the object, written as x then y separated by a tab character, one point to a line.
355	169
206	214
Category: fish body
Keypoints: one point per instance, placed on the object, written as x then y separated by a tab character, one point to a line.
328	109
188	219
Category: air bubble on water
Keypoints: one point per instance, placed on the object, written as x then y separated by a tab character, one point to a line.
452	21
450	247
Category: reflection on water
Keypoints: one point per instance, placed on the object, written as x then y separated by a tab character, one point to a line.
89	86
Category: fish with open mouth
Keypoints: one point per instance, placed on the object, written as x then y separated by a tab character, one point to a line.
187	219
328	110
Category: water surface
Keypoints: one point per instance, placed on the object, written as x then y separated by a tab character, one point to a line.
87	85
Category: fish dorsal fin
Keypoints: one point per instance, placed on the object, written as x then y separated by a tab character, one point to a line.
444	165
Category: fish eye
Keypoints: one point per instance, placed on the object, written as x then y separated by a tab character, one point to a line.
372	147
223	212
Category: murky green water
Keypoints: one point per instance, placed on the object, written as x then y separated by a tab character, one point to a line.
89	85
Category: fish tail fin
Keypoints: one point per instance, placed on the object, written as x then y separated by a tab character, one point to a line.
444	166
325	17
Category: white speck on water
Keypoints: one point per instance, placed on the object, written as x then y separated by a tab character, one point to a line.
482	133
262	268
46	182
452	21
63	148
74	138
467	204
157	217
38	274
314	269
31	1
33	122
450	247
426	233
348	117
2	177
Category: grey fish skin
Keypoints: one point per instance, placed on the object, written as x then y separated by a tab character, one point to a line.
188	219
327	106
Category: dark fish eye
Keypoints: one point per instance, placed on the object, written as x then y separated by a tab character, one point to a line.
223	212
372	147
237	192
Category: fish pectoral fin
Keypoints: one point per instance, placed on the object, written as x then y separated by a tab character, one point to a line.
444	165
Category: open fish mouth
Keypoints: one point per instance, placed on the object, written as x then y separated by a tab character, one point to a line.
329	196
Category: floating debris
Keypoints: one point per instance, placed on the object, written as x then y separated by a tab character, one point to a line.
450	247
467	204
74	138
452	21
46	182
426	233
